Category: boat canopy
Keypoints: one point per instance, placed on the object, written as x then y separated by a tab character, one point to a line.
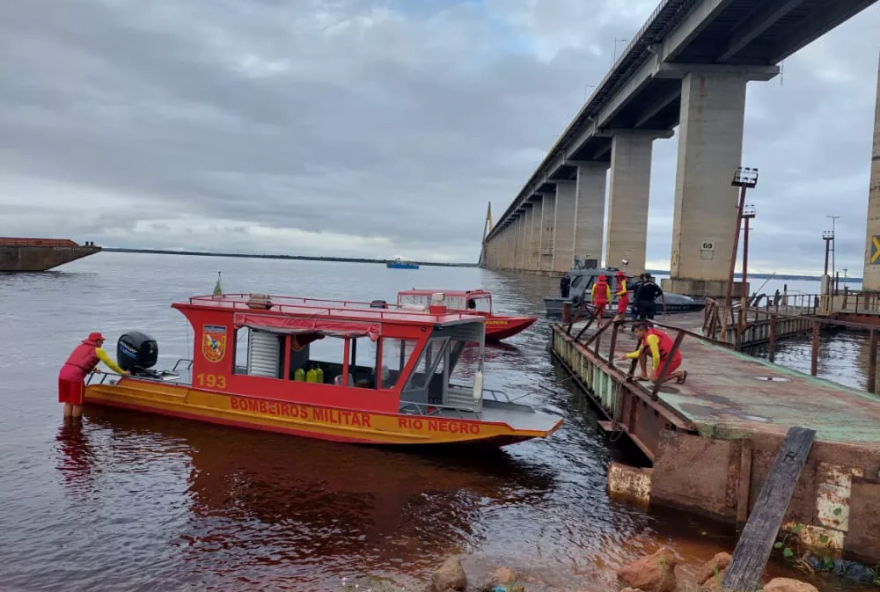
298	325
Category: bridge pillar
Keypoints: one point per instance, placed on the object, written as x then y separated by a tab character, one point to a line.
709	152
590	214
535	242
548	231
564	225
522	259
872	251
627	232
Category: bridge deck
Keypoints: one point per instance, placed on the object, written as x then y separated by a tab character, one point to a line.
727	394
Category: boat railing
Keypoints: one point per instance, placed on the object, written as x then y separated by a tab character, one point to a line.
354	310
434	409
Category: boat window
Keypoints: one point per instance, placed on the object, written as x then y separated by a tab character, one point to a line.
396	353
259	353
430	363
577	280
239	364
481	303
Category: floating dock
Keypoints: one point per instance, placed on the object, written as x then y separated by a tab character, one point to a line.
712	441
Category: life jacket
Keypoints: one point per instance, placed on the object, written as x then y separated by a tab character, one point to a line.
601	291
84	356
664	344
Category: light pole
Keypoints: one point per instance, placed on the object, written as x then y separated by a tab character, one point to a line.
744	178
616	41
748	213
828	237
833	245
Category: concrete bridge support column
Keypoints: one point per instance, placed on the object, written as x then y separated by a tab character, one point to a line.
709	152
563	225
508	245
627	231
590	211
537	215
872	250
548	231
525	238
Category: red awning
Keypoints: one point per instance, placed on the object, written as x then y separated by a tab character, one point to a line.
299	326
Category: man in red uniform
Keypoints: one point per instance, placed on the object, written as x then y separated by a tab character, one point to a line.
659	345
83	360
622	296
600	295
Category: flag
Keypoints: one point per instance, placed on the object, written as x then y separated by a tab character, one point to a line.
218	288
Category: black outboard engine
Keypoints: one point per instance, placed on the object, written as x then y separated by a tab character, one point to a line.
378	304
137	352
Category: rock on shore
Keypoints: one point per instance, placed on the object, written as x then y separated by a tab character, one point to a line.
654	573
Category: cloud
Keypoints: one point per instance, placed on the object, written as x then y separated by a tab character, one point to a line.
373	128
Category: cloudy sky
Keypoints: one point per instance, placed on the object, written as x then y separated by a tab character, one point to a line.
374	128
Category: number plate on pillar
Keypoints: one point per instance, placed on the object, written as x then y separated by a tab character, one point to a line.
707	250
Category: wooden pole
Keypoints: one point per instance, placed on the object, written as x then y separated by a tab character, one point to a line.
872	362
745	275
756	541
772	346
814	354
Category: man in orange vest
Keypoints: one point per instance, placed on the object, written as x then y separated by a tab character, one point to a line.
82	360
659	345
622	296
600	295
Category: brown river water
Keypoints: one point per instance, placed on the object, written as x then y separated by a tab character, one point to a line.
126	501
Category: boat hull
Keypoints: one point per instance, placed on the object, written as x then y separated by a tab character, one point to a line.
27	258
402	266
296	419
502	327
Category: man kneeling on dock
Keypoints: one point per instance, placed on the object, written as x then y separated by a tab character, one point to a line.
659	344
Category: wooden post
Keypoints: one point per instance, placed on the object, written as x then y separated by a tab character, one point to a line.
566	314
744	482
814	354
613	347
756	541
772	346
857	303
872	362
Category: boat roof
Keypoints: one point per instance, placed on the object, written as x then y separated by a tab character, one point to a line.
323	309
453	293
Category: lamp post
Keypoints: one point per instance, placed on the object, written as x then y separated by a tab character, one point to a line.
833	245
745	178
748	212
828	237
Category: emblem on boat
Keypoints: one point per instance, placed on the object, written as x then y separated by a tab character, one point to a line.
214	342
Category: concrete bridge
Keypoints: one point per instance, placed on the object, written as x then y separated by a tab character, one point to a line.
688	67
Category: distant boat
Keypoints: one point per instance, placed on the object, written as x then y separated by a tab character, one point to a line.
400	264
40	254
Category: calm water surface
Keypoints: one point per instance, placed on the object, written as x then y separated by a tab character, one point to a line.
126	501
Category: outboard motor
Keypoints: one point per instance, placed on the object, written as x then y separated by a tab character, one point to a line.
378	304
137	352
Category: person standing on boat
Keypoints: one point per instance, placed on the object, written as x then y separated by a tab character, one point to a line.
646	298
600	295
622	296
659	345
565	286
82	360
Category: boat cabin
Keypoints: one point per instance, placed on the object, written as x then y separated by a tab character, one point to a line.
338	353
474	301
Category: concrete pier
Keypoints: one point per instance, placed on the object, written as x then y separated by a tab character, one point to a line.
537	232
872	242
547	232
590	215
709	152
629	191
563	237
525	251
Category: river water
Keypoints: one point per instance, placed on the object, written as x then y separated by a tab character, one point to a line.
125	501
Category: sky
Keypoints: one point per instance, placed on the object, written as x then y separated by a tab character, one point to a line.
376	128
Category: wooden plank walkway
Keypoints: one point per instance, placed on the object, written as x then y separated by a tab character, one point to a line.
730	395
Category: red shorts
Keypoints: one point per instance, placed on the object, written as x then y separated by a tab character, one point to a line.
600	308
622	305
71	385
676	362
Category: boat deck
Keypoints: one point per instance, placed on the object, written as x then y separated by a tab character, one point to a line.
729	394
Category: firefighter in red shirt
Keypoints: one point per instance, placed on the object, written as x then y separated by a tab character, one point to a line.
600	295
659	345
82	360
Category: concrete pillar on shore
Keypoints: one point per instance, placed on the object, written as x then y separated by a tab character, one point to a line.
537	215
564	223
590	211
627	232
872	250
548	231
709	152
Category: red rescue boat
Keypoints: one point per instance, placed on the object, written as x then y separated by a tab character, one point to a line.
477	302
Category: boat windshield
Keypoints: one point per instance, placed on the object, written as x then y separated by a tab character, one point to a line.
446	373
479	302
